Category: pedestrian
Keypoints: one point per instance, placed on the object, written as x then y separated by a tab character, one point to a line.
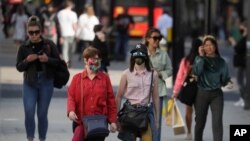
50	23
91	93
101	44
85	31
68	25
165	25
160	62
239	62
18	20
135	87
122	23
212	73
185	71
38	62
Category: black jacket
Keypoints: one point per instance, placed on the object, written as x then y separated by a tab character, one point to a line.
240	51
30	69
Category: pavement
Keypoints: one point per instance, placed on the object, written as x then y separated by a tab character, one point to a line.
11	106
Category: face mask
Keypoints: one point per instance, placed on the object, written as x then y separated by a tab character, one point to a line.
139	61
94	65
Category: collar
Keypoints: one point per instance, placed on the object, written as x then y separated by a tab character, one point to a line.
85	74
135	72
28	42
156	52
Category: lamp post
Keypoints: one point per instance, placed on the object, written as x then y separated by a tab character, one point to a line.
207	16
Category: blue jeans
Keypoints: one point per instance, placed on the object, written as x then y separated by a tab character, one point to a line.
157	133
37	94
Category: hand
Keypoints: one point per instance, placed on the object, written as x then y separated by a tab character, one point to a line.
119	128
61	41
174	96
201	51
229	85
31	57
113	127
73	116
43	58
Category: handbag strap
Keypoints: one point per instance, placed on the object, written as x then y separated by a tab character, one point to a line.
81	95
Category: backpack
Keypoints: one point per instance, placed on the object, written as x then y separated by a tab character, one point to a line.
61	72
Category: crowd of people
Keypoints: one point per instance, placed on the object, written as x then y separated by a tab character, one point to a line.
45	39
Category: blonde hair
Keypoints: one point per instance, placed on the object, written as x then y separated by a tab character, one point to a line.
34	21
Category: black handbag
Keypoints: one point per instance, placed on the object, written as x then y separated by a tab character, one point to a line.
94	125
61	75
188	91
135	117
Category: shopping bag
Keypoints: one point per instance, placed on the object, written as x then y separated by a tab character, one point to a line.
169	112
178	123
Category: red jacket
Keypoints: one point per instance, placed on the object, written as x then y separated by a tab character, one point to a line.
97	94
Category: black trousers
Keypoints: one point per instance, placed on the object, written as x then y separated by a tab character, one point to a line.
214	100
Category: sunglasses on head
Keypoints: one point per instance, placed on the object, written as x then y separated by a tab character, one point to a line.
156	38
36	32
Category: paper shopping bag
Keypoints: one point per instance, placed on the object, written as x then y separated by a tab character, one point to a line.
178	123
169	112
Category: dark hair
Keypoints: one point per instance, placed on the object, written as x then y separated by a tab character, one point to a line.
194	51
98	28
213	41
34	21
149	33
90	52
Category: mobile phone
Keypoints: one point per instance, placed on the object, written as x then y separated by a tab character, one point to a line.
40	52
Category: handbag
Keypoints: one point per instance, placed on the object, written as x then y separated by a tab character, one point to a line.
135	117
94	125
61	71
188	91
178	122
169	114
61	75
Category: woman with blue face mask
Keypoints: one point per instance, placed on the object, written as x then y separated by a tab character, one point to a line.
91	93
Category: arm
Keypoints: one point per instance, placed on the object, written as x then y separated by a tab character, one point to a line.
22	63
168	70
121	90
180	78
112	110
71	101
198	65
225	78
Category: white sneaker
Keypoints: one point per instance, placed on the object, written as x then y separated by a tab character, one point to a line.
240	103
189	136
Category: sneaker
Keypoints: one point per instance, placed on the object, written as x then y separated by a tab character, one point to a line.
240	103
189	136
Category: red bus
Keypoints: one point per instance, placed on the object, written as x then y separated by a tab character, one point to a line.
138	9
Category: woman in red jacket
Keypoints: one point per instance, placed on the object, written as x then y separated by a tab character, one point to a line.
90	93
